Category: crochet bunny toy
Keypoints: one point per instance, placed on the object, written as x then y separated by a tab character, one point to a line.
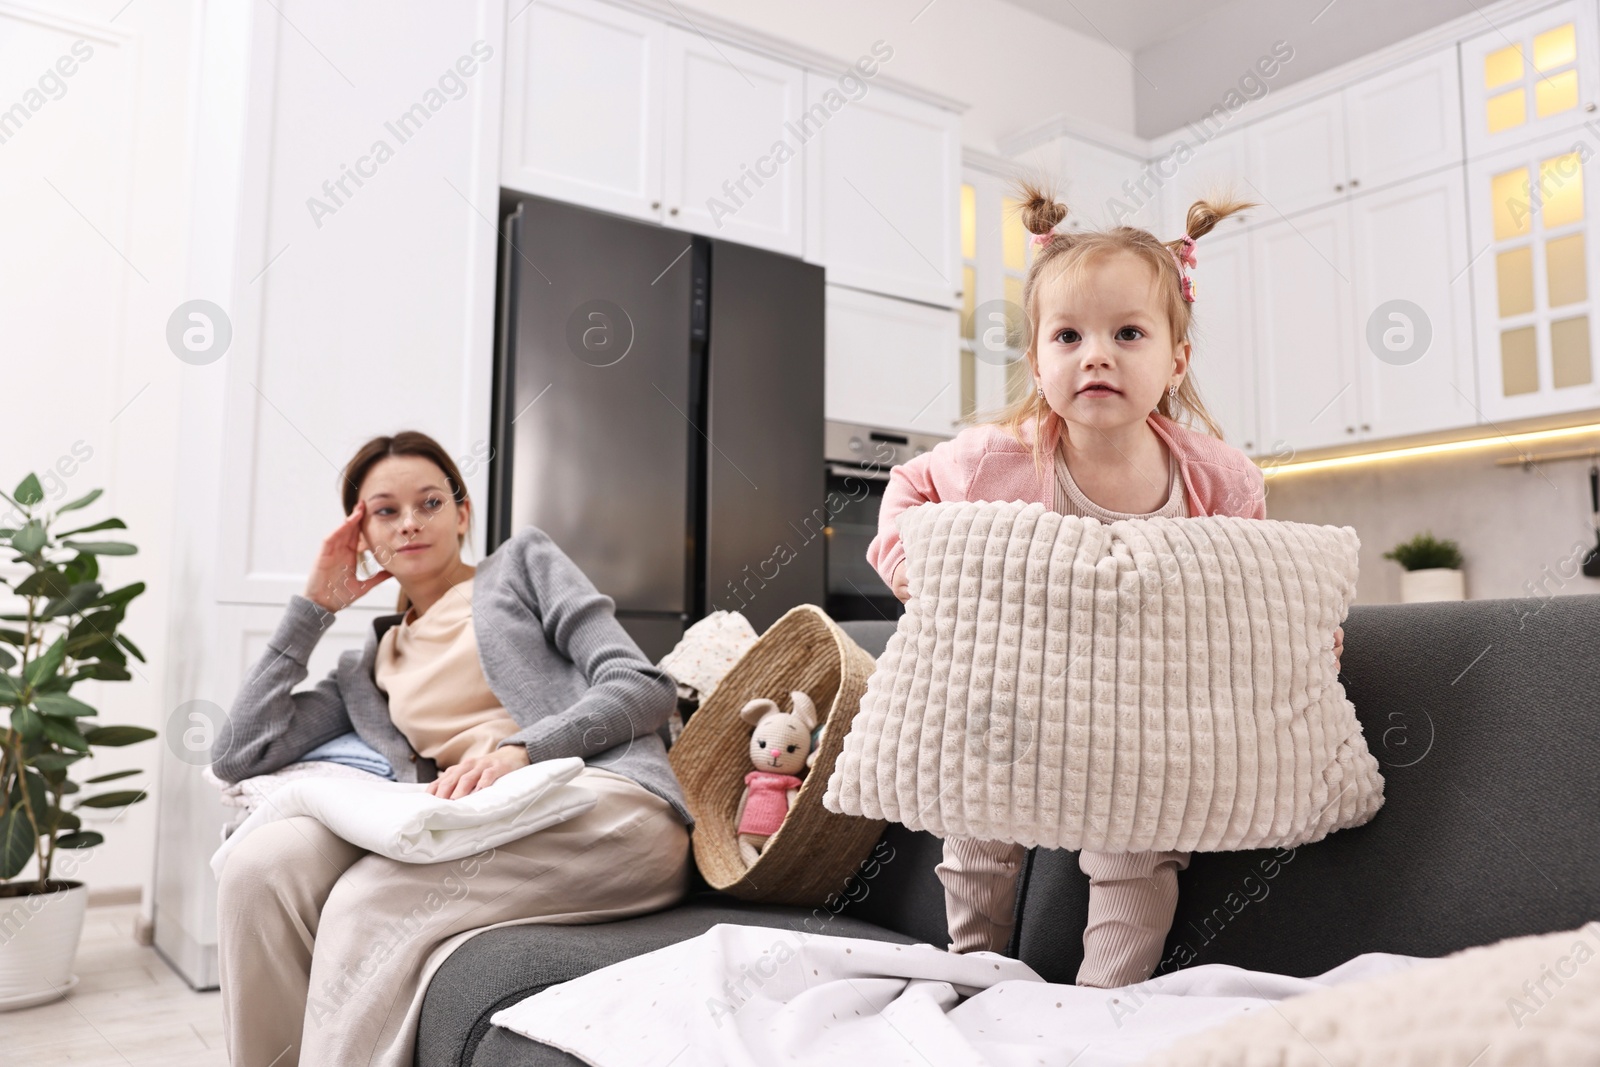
779	745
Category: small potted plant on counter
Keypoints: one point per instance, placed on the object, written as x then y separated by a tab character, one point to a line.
60	628
1432	569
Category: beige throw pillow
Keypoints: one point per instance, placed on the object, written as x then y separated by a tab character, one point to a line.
1139	685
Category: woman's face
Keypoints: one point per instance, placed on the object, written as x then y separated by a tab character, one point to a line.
1106	355
413	524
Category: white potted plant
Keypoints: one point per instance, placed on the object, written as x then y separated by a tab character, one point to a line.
60	628
1432	569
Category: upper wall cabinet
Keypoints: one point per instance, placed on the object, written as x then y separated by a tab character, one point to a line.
1102	187
1535	278
1383	130
1413	314
606	153
1297	157
733	166
1530	77
1403	122
883	187
1364	320
716	139
1193	170
1303	330
1224	355
672	128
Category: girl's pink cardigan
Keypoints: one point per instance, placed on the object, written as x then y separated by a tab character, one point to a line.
987	463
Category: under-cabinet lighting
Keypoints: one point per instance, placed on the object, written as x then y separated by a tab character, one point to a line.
1500	440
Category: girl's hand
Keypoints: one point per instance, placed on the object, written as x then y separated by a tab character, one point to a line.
1338	645
476	772
901	584
332	583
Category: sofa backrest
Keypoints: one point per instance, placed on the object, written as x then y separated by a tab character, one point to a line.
1485	718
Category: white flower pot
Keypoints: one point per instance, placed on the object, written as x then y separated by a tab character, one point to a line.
38	943
1432	583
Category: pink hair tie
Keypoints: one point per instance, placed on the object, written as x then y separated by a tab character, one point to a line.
1041	238
1184	256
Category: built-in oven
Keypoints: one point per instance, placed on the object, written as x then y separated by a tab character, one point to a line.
858	459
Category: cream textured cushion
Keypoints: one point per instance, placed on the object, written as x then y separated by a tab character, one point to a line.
1139	685
1524	1000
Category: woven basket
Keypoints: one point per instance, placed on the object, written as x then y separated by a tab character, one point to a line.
815	851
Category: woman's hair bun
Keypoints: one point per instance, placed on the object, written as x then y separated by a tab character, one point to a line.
1041	211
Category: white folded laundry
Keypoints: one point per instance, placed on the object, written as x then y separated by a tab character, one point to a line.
403	821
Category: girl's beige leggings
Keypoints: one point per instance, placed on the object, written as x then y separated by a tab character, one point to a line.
1132	896
325	949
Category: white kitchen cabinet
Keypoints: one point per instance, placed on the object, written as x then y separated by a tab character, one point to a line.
1409	243
1191	169
1384	129
883	186
1297	157
1101	186
1223	359
891	363
1534	278
580	130
1530	77
734	168
1306	371
1364	318
1403	122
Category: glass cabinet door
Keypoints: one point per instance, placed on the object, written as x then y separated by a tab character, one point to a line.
1529	78
1534	277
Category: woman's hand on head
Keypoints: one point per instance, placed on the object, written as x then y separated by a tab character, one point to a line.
477	772
333	582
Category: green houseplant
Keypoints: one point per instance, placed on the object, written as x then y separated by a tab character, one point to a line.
61	628
1432	569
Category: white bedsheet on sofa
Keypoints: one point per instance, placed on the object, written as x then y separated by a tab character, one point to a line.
751	996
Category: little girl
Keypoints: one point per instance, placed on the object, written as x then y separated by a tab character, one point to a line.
1109	349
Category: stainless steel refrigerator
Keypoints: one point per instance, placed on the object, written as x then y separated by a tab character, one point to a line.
658	412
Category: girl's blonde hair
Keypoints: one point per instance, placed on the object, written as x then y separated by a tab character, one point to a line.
1070	255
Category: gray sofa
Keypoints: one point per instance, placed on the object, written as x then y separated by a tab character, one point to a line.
1485	716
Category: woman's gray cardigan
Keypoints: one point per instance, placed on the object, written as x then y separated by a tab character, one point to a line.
552	651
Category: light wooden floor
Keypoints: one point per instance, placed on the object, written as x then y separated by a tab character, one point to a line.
129	1007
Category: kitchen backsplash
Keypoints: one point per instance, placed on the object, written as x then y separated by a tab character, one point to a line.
1522	532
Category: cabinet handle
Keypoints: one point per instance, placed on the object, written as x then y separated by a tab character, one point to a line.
1365	427
1588	107
1338	188
1349	429
655	205
673	211
1354	182
1249	444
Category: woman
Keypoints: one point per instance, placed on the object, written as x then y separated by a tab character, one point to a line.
324	949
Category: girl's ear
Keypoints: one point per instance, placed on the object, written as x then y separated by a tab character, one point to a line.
1180	359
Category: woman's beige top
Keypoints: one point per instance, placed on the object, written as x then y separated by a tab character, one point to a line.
438	696
1071	501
